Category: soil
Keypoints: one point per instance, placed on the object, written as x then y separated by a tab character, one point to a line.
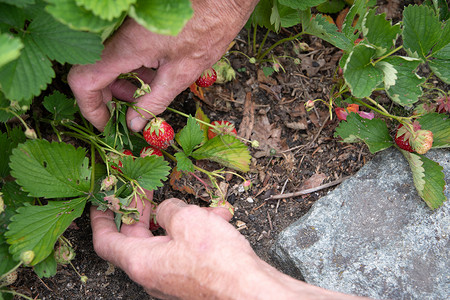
297	151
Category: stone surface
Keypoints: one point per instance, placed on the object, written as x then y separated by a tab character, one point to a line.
374	236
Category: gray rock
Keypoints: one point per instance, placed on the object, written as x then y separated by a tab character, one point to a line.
373	236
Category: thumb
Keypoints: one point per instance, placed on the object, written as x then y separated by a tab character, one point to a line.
169	81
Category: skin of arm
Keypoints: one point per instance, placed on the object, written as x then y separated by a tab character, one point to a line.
169	64
202	256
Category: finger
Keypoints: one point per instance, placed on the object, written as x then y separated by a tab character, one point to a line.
140	228
222	212
169	81
124	89
167	209
88	86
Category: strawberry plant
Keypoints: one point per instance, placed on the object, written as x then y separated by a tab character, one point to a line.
46	185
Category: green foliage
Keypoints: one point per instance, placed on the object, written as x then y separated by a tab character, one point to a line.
60	106
372	132
27	231
428	178
148	171
47	267
226	150
51	170
9	48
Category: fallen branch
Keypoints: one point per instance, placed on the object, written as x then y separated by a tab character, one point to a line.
307	191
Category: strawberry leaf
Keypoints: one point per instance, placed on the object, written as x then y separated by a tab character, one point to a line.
190	136
406	86
301	5
106	9
226	150
372	132
439	124
77	17
27	231
353	19
9	48
161	16
51	170
60	106
421	30
428	178
148	171
359	72
379	31
183	162
47	267
440	64
13	198
320	27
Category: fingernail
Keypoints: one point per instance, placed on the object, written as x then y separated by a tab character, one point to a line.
137	124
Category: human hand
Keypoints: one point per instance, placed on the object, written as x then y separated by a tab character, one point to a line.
201	257
169	64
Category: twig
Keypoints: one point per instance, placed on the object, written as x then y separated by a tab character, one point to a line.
307	191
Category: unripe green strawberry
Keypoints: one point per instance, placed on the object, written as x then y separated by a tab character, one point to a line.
158	133
207	78
64	254
422	141
9	279
221	127
149	150
27	257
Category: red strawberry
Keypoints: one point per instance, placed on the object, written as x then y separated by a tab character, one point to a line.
153	225
158	133
149	150
207	78
402	138
222	127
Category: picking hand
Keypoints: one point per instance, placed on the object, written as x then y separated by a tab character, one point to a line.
169	64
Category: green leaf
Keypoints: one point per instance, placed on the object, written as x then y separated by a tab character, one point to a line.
26	76
440	63
372	132
47	267
379	31
289	17
320	27
162	16
302	5
6	296
60	106
51	170
4	103
63	44
439	124
359	72
148	171
76	17
261	14
106	9
7	143
9	48
406	89
6	260
190	136
226	150
421	30
444	40
428	179
19	3
353	19
331	6
183	162
37	228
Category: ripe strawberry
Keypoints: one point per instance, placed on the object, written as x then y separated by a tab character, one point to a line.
207	78
158	133
402	138
222	127
153	225
149	150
